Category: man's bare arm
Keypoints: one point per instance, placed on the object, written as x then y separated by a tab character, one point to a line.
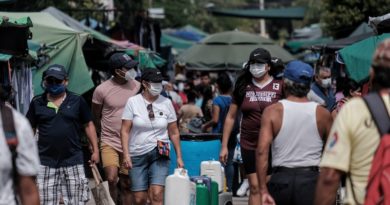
262	151
327	185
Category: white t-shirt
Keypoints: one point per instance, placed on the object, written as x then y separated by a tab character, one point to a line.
145	132
27	161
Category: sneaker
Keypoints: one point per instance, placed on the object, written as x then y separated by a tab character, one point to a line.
242	191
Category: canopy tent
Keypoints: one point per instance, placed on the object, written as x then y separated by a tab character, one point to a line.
182	38
66	49
177	43
144	57
360	33
228	51
357	57
272	13
194	29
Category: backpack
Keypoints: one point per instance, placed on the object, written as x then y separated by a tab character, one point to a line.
11	139
378	186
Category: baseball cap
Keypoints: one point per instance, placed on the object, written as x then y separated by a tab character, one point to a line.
119	60
381	57
260	55
152	75
56	71
299	72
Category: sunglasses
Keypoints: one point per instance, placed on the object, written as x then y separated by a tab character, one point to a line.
52	81
149	108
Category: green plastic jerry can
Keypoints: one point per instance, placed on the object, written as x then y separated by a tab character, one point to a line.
202	195
214	193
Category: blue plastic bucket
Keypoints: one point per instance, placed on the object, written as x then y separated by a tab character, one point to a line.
196	148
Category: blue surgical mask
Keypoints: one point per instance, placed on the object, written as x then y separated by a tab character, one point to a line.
55	89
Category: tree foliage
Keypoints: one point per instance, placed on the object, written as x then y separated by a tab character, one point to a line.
342	17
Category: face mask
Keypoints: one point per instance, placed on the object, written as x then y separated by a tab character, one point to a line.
325	83
155	89
257	70
55	89
130	74
180	87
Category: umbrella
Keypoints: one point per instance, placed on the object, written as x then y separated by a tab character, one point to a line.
228	51
357	57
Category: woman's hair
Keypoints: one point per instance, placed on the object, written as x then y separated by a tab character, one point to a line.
350	85
191	96
295	89
243	80
224	83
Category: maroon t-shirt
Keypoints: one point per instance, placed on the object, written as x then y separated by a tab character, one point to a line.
255	101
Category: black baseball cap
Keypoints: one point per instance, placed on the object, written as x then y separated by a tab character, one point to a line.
119	60
152	75
260	55
56	71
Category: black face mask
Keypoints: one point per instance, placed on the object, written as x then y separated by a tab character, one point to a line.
5	92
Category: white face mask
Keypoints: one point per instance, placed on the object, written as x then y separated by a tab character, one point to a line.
325	83
130	74
155	89
257	70
180	87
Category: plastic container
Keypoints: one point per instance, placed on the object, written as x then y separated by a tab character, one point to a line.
215	171
179	182
202	194
196	148
202	180
214	193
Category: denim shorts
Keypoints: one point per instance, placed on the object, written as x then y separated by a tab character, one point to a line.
148	169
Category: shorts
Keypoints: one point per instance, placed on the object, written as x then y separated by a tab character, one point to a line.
69	182
249	161
111	157
148	169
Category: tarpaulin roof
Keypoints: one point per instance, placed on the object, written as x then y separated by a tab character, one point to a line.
272	13
66	49
155	60
358	56
228	51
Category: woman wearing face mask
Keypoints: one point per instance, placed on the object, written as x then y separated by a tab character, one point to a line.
254	90
148	123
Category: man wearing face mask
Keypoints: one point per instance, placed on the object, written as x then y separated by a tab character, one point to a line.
148	125
321	90
59	116
108	101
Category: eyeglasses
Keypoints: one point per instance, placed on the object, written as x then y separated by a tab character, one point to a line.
52	81
149	108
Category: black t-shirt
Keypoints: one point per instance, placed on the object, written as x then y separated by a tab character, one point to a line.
59	140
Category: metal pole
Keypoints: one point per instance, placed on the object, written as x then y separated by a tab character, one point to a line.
262	21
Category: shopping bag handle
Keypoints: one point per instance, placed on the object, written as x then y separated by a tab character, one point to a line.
96	175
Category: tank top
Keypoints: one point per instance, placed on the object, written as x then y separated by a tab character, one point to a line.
298	143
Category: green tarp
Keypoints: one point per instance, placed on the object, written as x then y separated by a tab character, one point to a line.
279	13
179	44
5	57
65	48
228	51
357	57
24	21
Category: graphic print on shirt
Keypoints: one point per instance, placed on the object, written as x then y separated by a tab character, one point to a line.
264	96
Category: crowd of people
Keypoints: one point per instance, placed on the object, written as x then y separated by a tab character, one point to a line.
292	151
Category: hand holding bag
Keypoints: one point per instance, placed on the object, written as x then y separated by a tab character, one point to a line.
100	191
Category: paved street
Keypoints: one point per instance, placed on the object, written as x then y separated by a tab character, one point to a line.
240	201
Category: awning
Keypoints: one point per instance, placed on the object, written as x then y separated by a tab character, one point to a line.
279	13
5	57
